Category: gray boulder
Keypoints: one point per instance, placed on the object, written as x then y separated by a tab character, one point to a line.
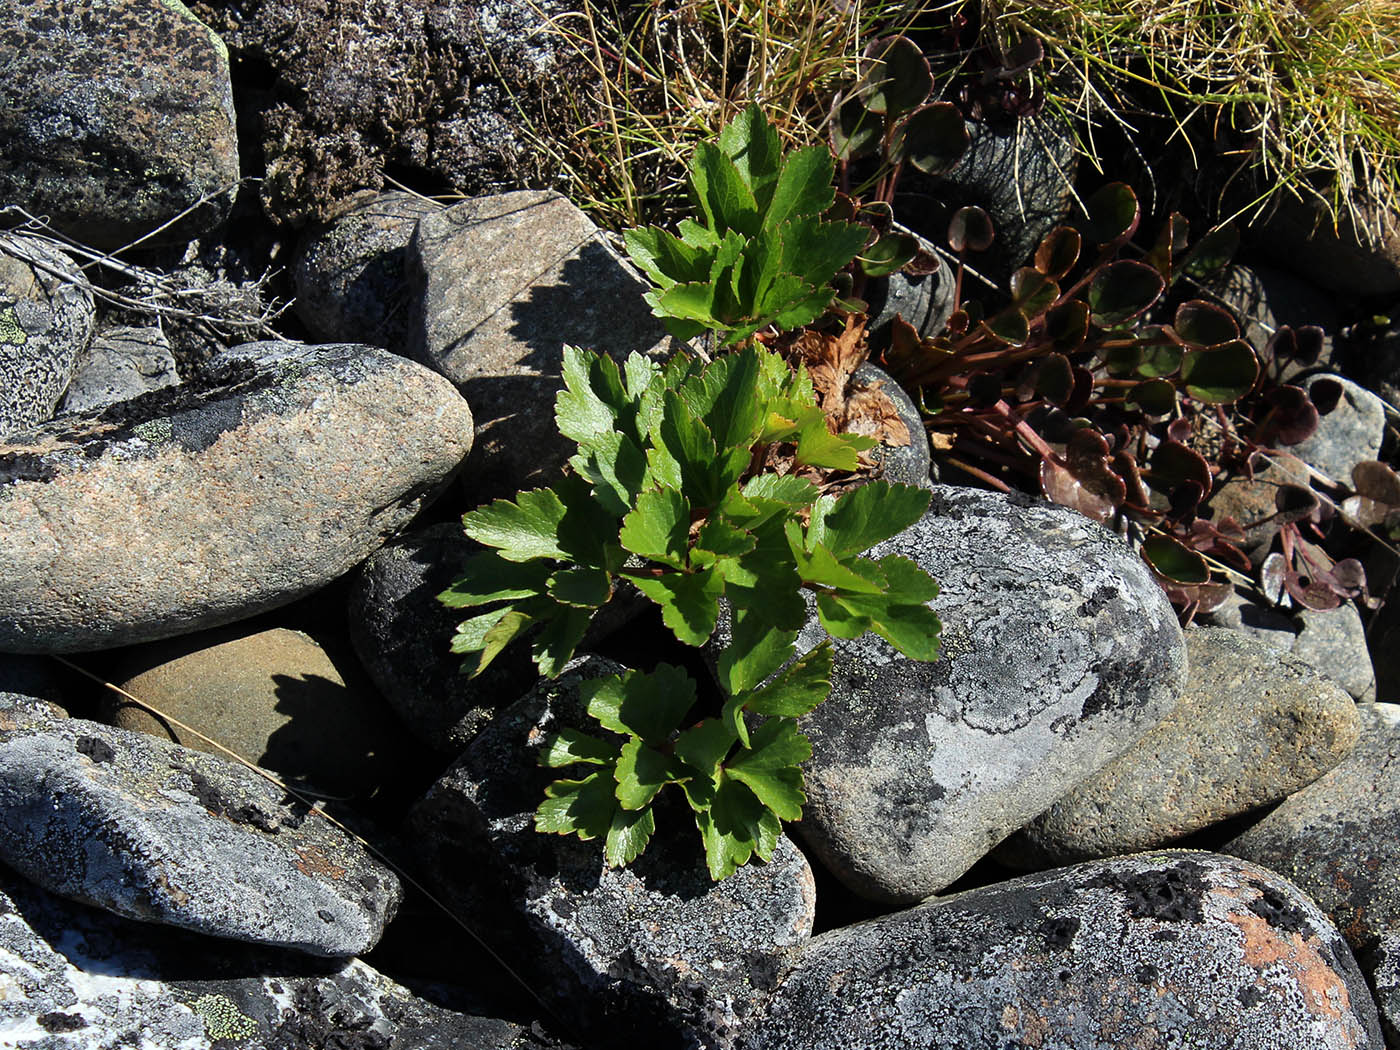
80	979
154	831
1058	652
1350	427
655	951
276	472
1337	837
1334	641
350	273
502	284
1153	952
1253	725
122	363
1382	965
115	117
46	322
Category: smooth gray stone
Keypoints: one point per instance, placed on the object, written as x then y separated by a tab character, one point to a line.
122	363
1334	641
1164	950
502	284
76	978
1348	434
115	117
652	952
221	498
1058	652
154	831
1255	621
910	464
1253	725
350	273
46	322
1337	837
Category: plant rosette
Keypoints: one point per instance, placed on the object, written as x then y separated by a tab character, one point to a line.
668	491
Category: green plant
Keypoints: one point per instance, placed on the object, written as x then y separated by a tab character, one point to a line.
669	493
763	254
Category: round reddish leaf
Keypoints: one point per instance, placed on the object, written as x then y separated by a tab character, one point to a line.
1058	252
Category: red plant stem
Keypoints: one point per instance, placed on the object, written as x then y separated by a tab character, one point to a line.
981	475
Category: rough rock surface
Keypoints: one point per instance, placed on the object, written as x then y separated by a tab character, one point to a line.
1382	965
1253	725
1351	424
442	87
79	979
1058	652
115	116
910	464
122	363
350	274
154	831
1334	641
212	501
652	951
402	635
503	284
275	698
46	321
1336	838
1163	950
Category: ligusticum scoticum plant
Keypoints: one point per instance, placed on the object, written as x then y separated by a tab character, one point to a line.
671	491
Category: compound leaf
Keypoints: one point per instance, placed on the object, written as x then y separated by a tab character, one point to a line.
689	601
628	836
797	689
865	516
770	767
521	530
487	577
642	772
579	807
658	527
568	747
649	705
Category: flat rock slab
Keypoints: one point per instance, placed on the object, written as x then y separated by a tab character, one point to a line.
154	831
1253	725
655	951
75	978
115	116
504	283
1058	652
1339	838
215	500
1157	951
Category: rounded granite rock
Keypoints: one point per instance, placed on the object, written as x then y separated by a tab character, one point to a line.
1339	837
206	503
154	831
1253	725
1154	952
1058	652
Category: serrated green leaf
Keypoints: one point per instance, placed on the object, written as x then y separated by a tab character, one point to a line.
703	747
770	767
787	489
617	468
689	601
568	747
594	400
752	143
797	689
728	204
695	235
554	646
912	629
642	772
587	532
804	188
757	649
665	258
524	529
905	581
819	447
694	301
722	397
487	577
732	716
718	539
865	516
579	807
734	826
649	705
816	250
818	567
659	527
586	587
471	633
628	837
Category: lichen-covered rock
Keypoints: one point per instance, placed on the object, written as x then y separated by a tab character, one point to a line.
154	831
443	87
46	322
115	117
403	635
502	284
1253	725
79	979
274	698
350	274
1152	952
655	951
1337	838
1382	966
215	500
122	363
1058	652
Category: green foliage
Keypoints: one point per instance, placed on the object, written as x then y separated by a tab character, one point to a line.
667	493
763	254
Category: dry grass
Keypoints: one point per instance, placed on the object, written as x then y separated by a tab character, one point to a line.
1312	88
